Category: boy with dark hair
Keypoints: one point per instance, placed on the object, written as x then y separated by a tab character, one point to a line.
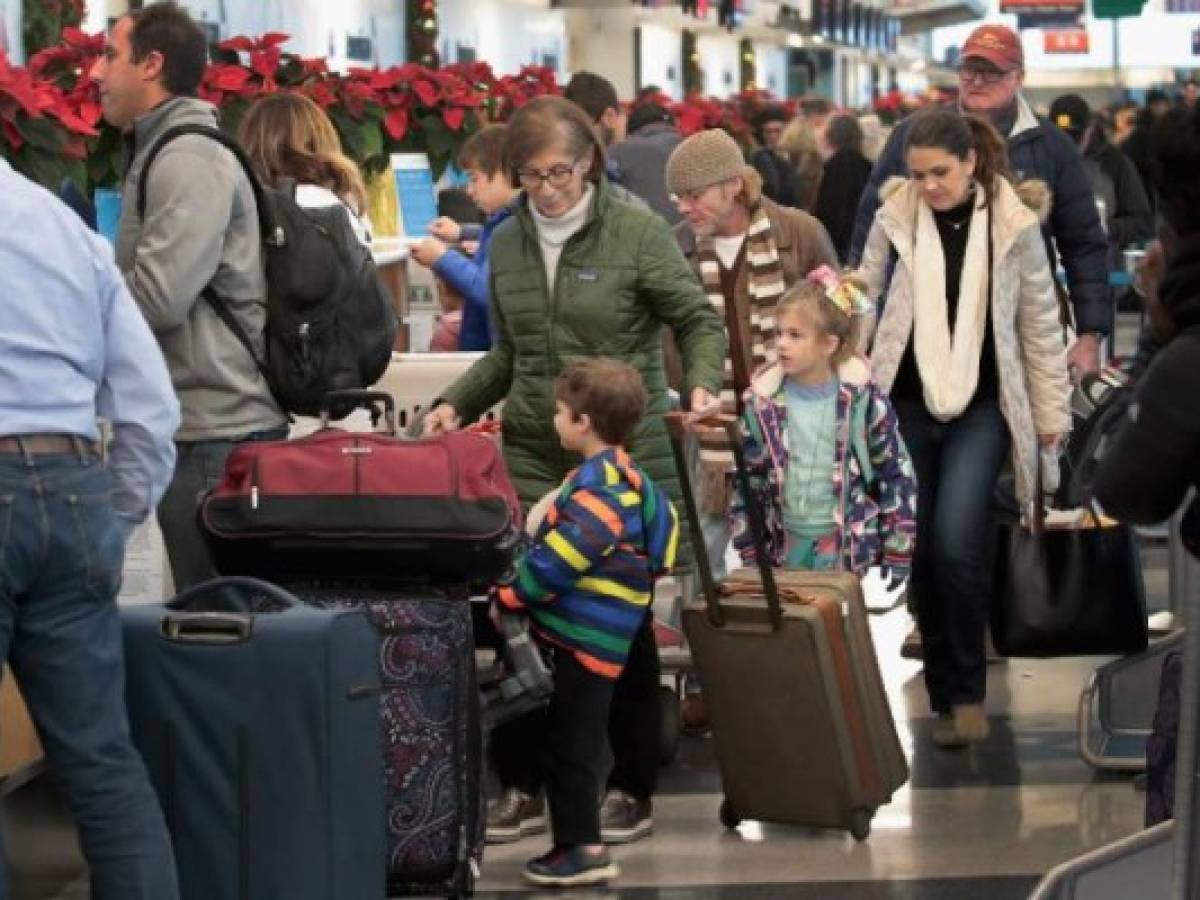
586	583
489	186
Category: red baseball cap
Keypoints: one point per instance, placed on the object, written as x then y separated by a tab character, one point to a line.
998	45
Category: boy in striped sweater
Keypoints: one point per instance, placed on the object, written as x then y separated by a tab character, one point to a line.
586	583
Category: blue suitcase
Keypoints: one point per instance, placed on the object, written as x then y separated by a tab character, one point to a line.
258	719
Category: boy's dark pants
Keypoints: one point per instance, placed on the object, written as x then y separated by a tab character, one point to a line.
633	728
576	750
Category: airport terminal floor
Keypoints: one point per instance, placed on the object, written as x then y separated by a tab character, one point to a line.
981	824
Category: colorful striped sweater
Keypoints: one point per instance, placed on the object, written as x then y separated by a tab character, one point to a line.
587	578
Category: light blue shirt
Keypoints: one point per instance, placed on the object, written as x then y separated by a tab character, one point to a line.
809	504
74	347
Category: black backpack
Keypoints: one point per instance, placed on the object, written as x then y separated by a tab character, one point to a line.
330	322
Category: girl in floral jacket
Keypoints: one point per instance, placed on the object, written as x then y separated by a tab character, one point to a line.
823	444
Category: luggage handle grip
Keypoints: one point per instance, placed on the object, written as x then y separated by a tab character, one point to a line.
758	528
363	398
207	628
184	601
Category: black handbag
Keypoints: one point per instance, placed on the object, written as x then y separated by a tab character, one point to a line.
1067	592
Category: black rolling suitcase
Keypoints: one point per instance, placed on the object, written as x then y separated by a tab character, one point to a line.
257	716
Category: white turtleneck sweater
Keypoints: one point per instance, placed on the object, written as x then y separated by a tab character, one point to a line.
554	233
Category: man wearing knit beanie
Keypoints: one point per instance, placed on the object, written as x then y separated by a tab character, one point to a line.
746	249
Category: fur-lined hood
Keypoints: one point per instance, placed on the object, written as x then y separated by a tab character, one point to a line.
768	379
1015	208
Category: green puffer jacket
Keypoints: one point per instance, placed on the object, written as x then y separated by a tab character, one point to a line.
620	279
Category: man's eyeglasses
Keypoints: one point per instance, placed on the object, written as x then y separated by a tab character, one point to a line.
556	176
982	74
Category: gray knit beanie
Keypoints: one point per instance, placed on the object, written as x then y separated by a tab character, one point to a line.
704	159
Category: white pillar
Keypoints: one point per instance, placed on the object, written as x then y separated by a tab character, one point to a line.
602	41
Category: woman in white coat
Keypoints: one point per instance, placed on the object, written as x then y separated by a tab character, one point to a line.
971	352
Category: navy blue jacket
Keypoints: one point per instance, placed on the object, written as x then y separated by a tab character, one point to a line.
1043	152
469	276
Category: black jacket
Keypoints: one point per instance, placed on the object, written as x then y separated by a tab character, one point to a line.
1137	148
846	175
1144	476
1037	150
780	180
1128	217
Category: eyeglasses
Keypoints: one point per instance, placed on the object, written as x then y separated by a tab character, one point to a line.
983	75
556	176
691	197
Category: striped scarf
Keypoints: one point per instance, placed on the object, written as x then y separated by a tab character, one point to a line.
766	287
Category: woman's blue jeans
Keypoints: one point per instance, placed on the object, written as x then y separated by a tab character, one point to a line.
957	464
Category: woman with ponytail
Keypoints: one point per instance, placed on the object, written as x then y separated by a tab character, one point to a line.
970	350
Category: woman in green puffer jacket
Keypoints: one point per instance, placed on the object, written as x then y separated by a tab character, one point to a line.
576	273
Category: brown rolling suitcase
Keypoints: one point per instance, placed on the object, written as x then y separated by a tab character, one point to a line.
801	724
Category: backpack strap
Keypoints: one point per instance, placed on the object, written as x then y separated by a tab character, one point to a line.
858	435
265	224
270	233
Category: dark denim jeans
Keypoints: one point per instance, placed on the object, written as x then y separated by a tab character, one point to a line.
61	551
198	468
957	464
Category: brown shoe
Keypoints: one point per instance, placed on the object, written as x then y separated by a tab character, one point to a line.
693	711
971	722
911	648
513	815
945	735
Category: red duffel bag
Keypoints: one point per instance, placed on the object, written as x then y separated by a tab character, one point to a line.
339	503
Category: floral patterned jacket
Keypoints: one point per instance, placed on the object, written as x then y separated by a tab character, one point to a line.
871	472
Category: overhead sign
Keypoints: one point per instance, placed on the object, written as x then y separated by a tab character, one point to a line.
1066	41
1042	7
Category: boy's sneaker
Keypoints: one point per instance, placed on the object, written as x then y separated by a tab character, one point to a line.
515	814
571	867
624	819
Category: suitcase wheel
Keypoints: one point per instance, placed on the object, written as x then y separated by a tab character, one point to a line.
731	819
860	822
669	725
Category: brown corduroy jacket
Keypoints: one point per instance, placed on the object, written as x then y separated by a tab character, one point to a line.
802	244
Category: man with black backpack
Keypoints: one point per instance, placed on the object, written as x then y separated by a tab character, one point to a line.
199	230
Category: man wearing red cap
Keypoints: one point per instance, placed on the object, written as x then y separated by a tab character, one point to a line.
990	77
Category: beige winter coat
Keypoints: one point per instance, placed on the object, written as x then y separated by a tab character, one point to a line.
1030	351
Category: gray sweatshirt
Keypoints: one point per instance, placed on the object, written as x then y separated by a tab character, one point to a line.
200	228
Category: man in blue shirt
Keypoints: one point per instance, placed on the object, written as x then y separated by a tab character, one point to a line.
74	347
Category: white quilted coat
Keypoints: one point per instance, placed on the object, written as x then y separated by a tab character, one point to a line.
1030	352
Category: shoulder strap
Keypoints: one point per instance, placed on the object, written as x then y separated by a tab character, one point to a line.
225	314
266	226
265	223
858	435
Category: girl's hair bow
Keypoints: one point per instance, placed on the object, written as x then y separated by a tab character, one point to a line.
845	294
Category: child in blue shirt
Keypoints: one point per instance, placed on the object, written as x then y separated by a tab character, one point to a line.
823	444
490	187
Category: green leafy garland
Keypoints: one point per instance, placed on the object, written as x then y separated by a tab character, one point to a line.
44	21
423	33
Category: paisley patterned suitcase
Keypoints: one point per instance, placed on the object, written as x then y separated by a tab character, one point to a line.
432	739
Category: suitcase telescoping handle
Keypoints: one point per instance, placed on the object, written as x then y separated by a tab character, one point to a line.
758	524
356	398
188	622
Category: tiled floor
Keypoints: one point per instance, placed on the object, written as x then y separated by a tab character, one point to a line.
982	824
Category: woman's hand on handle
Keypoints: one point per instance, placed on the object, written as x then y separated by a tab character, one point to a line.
442	419
704	405
1049	441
